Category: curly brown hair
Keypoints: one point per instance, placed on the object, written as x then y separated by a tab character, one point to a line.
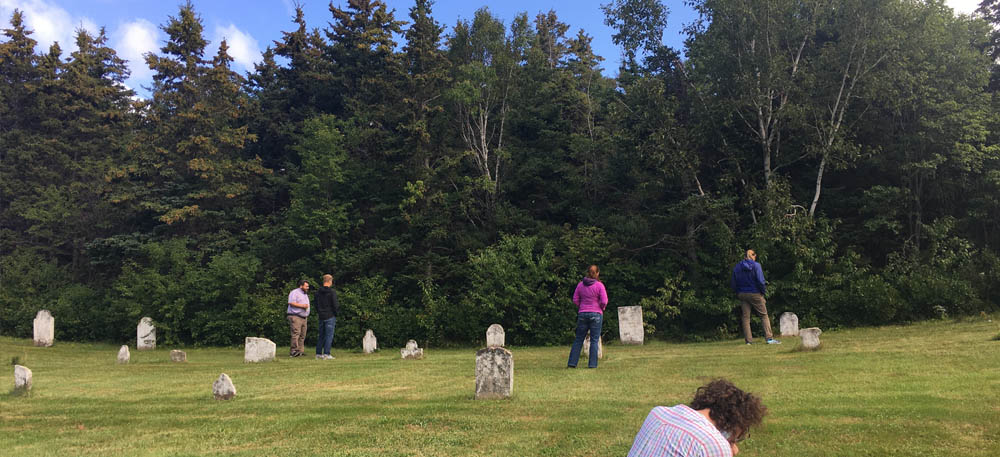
732	409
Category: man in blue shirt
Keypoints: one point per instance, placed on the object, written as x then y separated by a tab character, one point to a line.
748	283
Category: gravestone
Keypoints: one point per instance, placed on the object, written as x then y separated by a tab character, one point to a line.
585	352
145	334
411	351
810	337
495	336
22	379
789	324
494	373
630	324
178	356
223	388
369	343
45	327
258	350
124	355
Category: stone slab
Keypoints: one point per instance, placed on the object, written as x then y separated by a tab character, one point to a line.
223	388
145	335
810	337
494	373
630	328
495	336
369	343
585	351
45	328
258	350
124	355
789	324
178	356
22	378
411	351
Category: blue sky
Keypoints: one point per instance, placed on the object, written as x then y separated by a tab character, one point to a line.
250	26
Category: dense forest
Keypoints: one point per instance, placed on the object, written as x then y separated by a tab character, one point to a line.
454	177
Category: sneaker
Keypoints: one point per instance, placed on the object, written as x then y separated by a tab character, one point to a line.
749	343
320	357
296	354
329	357
773	341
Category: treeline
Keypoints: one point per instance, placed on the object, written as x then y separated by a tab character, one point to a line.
468	175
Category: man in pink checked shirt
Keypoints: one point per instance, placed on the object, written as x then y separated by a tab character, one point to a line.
719	417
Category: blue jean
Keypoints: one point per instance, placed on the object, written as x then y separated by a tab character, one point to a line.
325	336
584	322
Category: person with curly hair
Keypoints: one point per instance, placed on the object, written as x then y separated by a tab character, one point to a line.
717	420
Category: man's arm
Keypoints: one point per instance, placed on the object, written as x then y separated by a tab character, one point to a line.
760	280
292	300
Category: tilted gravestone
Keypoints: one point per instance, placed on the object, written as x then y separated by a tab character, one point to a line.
178	356
810	337
495	336
22	379
258	350
494	373
369	343
585	351
223	388
124	355
630	324
45	328
789	324
411	351
145	335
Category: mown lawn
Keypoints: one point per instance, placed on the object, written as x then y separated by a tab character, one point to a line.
929	389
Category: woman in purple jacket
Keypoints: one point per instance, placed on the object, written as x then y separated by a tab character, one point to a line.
591	299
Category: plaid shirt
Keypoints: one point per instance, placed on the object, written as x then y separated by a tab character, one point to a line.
678	431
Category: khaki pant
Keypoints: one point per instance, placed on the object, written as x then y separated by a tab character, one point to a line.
760	306
298	326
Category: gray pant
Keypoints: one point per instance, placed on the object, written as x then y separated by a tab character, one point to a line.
757	302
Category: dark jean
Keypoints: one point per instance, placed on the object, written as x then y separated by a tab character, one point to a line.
325	336
584	322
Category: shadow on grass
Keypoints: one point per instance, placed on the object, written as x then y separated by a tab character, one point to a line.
801	348
995	337
19	392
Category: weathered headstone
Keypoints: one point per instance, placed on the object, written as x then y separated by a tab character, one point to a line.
369	343
494	373
810	337
630	324
124	355
145	334
45	327
223	388
495	336
585	352
258	350
789	324
411	351
22	379
178	356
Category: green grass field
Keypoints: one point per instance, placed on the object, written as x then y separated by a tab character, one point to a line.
929	389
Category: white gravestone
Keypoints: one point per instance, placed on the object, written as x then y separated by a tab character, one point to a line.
494	373
178	356
145	334
630	324
789	324
22	378
411	351
124	355
369	343
258	350
223	388
810	337
495	336
45	327
585	352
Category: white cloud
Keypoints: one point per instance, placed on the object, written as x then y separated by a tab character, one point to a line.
50	23
963	6
132	40
242	46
